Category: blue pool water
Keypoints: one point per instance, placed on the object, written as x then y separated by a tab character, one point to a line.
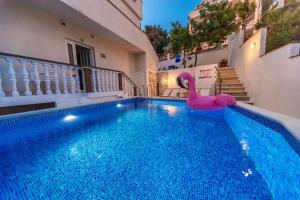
138	149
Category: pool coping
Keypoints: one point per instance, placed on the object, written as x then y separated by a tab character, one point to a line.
291	124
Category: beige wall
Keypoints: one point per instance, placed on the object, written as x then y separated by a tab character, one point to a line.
33	28
272	80
34	33
207	58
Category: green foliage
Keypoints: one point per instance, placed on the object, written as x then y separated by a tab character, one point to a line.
283	24
180	40
157	36
217	21
244	10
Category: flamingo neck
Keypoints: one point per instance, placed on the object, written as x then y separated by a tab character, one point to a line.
192	94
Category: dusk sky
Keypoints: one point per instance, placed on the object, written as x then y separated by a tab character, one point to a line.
163	12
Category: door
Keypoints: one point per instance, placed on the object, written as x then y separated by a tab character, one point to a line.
83	56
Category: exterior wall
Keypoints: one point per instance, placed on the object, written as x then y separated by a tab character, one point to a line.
167	79
132	9
33	28
272	80
114	21
34	33
211	57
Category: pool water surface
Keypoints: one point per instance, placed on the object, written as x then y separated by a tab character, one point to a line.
142	150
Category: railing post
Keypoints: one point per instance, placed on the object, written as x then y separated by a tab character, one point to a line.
70	80
56	79
103	81
64	79
25	78
115	81
2	94
120	82
47	79
99	80
12	77
36	78
94	80
107	80
77	80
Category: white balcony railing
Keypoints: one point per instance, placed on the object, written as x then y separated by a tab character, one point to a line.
24	76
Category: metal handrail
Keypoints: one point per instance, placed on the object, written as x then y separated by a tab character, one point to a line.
218	78
62	63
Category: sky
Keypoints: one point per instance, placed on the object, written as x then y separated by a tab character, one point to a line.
163	12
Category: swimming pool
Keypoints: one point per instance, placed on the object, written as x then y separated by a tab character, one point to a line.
146	149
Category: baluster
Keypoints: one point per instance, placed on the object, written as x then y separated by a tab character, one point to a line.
94	80
70	79
36	78
25	78
107	80
103	80
47	79
98	80
64	79
114	81
83	79
12	77
77	80
56	79
2	94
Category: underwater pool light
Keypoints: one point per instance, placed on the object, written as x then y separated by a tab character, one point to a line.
69	118
119	105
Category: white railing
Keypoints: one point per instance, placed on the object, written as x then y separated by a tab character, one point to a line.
23	76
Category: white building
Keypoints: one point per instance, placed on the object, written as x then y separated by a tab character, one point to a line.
41	43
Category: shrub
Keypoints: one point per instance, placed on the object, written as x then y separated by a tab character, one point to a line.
283	24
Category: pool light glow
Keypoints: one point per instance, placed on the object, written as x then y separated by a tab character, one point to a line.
119	105
69	118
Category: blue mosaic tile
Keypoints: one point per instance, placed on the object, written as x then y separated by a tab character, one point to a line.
134	149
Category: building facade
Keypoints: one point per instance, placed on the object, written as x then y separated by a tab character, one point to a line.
105	33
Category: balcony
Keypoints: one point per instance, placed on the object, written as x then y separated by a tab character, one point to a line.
25	80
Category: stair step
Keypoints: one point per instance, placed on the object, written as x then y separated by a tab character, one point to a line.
233	88
231	82
228	74
242	98
248	102
225	68
229	77
236	93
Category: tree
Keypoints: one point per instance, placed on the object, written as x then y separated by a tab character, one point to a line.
244	10
157	36
180	40
217	21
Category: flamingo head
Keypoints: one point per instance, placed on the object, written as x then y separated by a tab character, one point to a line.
181	79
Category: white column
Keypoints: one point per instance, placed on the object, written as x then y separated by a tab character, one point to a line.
94	80
12	77
72	89
2	94
111	81
107	80
36	78
83	79
77	80
47	79
25	78
64	79
56	80
99	79
103	80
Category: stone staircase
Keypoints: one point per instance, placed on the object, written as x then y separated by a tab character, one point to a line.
232	85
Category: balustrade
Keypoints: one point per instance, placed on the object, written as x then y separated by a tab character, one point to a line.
23	76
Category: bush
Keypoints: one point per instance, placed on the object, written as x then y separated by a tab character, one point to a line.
283	24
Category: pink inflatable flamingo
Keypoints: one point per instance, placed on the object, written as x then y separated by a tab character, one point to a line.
203	102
